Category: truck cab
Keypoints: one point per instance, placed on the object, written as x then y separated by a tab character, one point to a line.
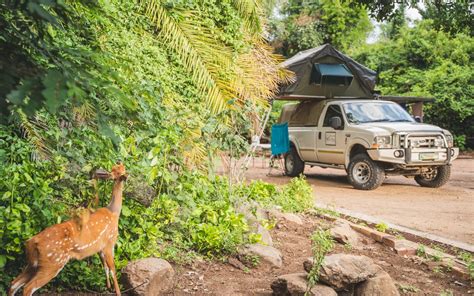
369	139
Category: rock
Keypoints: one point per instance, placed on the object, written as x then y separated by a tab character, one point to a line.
405	248
266	254
139	190
287	217
236	263
342	270
266	238
290	284
380	285
308	264
296	284
343	233
157	274
323	290
292	218
252	212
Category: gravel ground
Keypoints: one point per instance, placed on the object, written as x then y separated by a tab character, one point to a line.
447	212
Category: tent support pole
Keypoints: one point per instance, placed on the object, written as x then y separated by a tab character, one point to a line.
252	151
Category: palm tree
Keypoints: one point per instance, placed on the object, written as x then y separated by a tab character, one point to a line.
252	74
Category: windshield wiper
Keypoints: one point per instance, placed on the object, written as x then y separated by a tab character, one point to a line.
377	120
401	120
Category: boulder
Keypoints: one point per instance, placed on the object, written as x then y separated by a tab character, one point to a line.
149	276
308	264
236	263
265	236
296	284
266	254
252	212
379	285
286	217
340	271
343	233
322	290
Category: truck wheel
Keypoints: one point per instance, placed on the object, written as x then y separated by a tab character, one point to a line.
364	173
434	177
294	166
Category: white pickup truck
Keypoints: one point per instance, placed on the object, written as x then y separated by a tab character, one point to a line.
369	139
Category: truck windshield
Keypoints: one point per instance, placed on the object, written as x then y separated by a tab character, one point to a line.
363	112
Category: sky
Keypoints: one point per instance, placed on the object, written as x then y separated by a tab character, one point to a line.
411	15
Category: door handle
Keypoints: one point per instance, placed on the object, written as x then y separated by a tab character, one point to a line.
319	136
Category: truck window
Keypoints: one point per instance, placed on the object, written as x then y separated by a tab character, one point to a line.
333	110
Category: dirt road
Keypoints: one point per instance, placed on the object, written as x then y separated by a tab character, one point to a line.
447	211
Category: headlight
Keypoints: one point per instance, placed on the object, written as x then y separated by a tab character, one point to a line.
439	142
449	139
414	143
382	142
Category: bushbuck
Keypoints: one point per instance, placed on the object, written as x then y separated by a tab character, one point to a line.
95	232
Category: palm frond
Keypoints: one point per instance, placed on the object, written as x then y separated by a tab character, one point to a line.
220	74
83	114
198	50
259	75
30	129
250	11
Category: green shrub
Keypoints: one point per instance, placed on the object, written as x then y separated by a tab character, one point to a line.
322	243
382	227
296	196
193	212
216	228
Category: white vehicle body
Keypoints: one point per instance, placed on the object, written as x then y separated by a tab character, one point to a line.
381	130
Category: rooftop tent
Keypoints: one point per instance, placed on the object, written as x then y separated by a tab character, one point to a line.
324	72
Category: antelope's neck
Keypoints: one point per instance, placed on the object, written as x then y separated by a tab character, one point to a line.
115	205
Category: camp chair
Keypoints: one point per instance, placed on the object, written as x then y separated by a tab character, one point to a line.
256	145
280	144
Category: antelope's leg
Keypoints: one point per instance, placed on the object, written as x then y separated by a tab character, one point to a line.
42	277
106	268
109	258
21	280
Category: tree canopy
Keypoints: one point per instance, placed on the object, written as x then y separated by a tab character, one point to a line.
309	23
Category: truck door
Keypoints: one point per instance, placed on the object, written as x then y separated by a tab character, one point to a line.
330	142
307	142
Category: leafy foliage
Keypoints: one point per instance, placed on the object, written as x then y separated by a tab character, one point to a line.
469	261
307	24
295	196
422	61
449	16
382	227
215	70
322	243
85	84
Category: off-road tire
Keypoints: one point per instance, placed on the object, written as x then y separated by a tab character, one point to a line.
364	173
442	177
294	166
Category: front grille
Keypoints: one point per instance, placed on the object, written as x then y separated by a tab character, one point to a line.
422	142
402	140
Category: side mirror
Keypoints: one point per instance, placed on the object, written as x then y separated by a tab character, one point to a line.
335	122
417	118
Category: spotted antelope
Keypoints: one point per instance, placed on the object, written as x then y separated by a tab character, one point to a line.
96	232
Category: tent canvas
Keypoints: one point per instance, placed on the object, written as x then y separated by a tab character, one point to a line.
345	78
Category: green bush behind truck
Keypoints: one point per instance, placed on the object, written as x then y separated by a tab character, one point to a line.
369	139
